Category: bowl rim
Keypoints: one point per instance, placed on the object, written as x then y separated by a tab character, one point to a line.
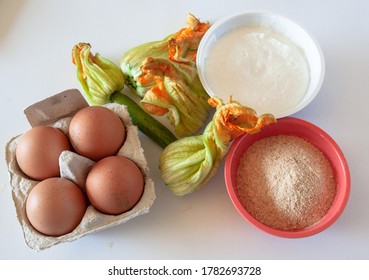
201	54
341	198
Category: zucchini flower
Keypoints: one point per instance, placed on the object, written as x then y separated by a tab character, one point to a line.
164	74
188	163
177	93
132	60
183	45
98	76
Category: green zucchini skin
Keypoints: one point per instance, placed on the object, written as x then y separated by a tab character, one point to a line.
145	123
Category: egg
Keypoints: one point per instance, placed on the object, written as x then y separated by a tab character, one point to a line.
38	151
96	132
55	206
114	185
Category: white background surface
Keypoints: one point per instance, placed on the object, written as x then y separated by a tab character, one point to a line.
36	38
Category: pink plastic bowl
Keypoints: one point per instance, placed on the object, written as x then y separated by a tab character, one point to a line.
316	136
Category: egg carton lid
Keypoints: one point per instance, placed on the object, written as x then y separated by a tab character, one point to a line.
57	111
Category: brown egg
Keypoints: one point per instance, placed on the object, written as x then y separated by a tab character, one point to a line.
38	151
55	206
114	185
96	132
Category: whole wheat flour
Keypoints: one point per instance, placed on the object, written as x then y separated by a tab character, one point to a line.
285	182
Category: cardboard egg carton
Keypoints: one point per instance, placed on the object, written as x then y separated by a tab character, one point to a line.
57	111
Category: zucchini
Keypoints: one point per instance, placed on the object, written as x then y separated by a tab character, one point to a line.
145	122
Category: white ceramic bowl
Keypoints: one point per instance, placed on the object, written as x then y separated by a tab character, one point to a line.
285	26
